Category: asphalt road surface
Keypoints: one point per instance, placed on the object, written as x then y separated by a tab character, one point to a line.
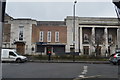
58	70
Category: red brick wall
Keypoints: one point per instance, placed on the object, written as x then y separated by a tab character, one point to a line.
35	34
61	29
6	32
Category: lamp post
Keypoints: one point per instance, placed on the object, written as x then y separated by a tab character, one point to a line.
74	30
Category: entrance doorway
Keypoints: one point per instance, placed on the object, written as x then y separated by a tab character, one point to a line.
86	50
20	48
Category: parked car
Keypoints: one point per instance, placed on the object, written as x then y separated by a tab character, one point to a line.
115	58
11	55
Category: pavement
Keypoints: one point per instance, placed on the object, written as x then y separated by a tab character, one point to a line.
69	61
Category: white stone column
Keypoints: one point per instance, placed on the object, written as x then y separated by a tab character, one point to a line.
81	46
118	37
69	35
76	37
106	39
93	40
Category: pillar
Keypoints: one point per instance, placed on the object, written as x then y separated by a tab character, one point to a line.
118	38
106	39
93	40
81	46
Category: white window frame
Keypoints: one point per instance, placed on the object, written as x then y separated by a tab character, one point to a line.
49	36
57	36
41	37
21	29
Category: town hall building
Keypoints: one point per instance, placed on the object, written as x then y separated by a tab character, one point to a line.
30	36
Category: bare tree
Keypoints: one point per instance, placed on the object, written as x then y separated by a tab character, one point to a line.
97	39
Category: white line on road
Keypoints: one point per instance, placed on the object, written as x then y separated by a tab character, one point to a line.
81	76
84	72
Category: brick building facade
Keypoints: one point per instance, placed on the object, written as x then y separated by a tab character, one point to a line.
49	34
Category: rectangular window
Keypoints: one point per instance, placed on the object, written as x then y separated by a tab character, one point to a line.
56	36
41	36
110	39
49	36
86	38
21	32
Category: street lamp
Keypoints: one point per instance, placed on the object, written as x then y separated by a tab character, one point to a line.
74	30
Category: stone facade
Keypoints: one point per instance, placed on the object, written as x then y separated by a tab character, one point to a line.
27	33
22	46
29	36
6	31
88	31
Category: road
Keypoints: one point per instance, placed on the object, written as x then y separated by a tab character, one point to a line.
58	70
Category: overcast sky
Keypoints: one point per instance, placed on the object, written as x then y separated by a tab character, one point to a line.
52	11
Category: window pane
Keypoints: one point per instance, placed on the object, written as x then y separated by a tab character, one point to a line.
21	32
49	36
41	36
56	36
12	54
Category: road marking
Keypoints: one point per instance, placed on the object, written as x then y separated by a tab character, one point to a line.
93	76
84	72
81	76
85	69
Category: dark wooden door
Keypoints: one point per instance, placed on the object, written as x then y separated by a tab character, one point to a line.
86	50
21	48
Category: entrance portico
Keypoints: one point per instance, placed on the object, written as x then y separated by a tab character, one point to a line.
93	32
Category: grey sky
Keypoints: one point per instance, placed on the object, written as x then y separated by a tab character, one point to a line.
46	11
